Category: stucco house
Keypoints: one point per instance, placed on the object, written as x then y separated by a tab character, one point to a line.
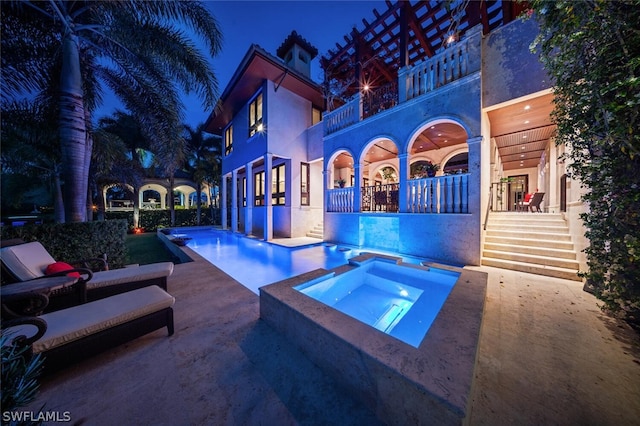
419	85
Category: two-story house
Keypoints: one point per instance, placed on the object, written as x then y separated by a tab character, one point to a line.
269	117
421	84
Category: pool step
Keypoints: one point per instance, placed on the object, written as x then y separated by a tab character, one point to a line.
317	232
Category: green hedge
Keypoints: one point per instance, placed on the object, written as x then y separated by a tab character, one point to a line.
151	220
74	241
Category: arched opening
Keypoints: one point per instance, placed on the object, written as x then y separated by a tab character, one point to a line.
457	164
341	170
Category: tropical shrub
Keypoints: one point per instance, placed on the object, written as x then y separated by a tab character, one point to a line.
592	52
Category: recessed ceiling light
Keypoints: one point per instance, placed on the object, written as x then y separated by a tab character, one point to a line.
523	147
527	107
524	136
526	121
446	140
433	127
521	155
439	134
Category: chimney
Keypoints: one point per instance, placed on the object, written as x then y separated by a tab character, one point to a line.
297	53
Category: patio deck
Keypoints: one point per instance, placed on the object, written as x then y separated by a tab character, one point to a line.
547	356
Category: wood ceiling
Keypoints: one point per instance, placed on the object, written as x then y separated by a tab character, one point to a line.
522	131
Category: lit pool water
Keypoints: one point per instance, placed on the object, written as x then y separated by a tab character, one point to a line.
255	263
398	299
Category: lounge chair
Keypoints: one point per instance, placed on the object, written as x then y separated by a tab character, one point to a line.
532	203
69	335
30	261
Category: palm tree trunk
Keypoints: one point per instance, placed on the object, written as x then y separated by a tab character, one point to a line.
199	208
136	207
172	209
58	206
73	131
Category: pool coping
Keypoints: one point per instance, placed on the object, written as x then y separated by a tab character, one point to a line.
400	383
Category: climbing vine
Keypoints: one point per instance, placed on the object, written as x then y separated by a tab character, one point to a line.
591	49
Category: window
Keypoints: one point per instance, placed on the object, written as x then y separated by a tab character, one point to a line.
228	140
255	115
304	184
316	116
278	185
259	189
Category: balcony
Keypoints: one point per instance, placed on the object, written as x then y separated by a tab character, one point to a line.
452	64
442	194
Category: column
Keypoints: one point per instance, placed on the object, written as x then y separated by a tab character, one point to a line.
357	190
248	210
223	202
475	150
403	187
234	200
268	197
553	203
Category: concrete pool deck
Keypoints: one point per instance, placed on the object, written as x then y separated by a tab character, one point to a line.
547	355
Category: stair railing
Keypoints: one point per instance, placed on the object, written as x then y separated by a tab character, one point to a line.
489	205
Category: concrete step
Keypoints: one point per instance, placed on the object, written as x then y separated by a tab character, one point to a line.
525	233
541	250
545	270
317	231
530	242
531	227
531	258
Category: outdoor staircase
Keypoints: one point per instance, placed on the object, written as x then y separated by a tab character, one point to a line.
537	243
317	232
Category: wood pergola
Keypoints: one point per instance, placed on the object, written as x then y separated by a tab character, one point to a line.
404	34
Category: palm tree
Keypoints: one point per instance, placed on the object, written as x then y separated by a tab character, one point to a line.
30	148
171	153
203	160
125	131
137	48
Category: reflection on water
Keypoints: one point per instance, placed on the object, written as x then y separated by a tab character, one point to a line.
255	263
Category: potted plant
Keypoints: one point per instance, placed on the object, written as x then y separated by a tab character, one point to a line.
431	168
424	169
341	182
388	174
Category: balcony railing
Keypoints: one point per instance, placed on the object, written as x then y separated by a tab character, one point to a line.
348	114
340	200
442	194
455	62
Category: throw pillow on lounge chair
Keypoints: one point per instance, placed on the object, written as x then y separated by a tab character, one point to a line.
30	260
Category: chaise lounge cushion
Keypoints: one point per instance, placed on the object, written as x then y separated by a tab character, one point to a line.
30	261
80	321
27	261
126	275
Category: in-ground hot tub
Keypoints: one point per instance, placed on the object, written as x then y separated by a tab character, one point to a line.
399	300
426	380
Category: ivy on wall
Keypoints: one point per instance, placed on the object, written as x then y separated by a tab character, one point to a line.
591	49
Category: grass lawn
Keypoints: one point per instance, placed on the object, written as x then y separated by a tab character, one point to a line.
147	248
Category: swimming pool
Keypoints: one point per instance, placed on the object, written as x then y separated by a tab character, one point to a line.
255	263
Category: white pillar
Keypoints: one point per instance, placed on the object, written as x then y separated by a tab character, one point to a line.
268	194
248	210
234	200
223	202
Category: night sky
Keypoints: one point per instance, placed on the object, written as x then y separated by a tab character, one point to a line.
268	23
